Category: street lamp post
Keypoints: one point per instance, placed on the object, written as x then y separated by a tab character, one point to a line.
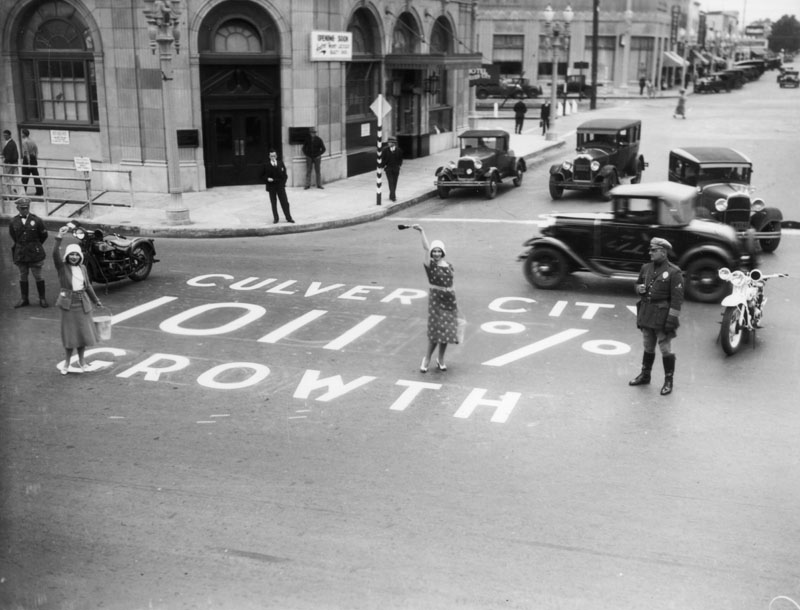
558	33
626	51
163	29
686	36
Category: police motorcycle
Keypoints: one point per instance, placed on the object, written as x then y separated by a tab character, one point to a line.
743	308
113	257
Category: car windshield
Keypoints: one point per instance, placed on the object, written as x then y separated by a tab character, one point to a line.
728	173
589	139
469	145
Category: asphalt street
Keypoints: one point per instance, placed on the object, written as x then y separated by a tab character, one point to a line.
257	434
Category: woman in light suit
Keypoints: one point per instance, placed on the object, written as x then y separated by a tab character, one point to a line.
75	300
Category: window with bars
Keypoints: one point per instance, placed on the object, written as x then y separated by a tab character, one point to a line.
57	69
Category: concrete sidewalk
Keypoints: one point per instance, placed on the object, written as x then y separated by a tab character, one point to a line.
245	210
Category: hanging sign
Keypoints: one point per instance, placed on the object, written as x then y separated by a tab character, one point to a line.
331	46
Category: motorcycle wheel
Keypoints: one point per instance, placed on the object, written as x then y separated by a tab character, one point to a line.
732	334
142	262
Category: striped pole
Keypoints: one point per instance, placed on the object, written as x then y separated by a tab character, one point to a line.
379	190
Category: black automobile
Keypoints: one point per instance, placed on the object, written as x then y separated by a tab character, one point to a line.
789	78
615	244
519	88
575	83
607	151
484	162
722	177
713	83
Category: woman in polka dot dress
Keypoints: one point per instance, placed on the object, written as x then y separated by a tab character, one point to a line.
442	307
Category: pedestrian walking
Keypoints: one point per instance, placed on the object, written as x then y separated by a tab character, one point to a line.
544	117
660	290
10	159
392	160
519	115
680	109
28	233
313	149
443	318
642	85
30	163
651	89
276	176
75	300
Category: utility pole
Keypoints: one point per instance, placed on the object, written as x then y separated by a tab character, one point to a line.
595	32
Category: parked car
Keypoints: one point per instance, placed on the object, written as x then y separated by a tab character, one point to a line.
722	178
713	83
615	243
484	162
575	83
758	65
607	151
737	77
789	78
520	88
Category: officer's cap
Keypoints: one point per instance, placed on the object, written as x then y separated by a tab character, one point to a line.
658	242
23	202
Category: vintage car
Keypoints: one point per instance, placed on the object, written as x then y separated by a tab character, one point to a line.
520	88
484	161
607	151
722	177
789	78
615	244
713	83
576	83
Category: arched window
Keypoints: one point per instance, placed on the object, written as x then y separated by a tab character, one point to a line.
57	67
363	72
236	36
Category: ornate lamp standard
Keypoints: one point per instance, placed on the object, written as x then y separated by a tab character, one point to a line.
685	36
557	36
626	51
162	27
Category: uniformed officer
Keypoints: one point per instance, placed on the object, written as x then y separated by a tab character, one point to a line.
660	290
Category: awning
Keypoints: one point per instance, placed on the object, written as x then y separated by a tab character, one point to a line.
451	61
698	57
673	60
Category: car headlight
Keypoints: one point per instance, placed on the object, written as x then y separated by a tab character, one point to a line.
478	164
566	166
737	278
595	165
758	205
79	233
721	204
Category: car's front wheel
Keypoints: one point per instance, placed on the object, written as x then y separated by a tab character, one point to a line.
442	191
637	176
491	188
556	189
545	267
770	244
518	173
702	280
481	94
609	182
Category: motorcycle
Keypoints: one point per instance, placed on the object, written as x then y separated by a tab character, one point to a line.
743	308
113	257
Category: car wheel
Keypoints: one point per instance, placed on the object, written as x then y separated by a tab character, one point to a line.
442	191
518	173
545	267
771	244
482	94
609	182
556	190
491	188
702	280
637	177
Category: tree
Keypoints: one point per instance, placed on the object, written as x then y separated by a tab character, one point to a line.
785	35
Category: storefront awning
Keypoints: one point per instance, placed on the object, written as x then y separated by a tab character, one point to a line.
673	60
699	58
451	61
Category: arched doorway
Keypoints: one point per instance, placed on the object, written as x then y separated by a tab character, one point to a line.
240	92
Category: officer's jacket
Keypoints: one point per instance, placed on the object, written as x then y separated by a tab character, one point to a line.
663	295
28	239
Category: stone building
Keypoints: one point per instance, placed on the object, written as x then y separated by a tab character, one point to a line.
85	78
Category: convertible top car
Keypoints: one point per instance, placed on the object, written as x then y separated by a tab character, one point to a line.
615	243
722	176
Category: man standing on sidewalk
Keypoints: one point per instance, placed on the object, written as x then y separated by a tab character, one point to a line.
10	164
28	234
544	117
313	149
519	115
276	176
30	162
392	159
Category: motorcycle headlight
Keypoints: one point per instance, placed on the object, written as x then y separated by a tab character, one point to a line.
721	204
595	165
737	278
478	164
724	274
79	233
758	205
566	166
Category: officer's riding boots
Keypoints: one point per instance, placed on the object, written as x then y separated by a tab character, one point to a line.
669	371
40	290
23	291
643	378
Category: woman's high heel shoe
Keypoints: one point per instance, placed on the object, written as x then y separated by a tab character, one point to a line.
423	367
440	366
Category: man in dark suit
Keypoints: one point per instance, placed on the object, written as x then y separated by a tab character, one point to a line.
313	149
392	159
276	176
10	164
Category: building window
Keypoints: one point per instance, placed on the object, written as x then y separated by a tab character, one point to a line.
507	54
236	36
57	68
606	47
361	86
641	59
546	51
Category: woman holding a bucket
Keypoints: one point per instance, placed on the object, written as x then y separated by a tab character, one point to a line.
75	300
